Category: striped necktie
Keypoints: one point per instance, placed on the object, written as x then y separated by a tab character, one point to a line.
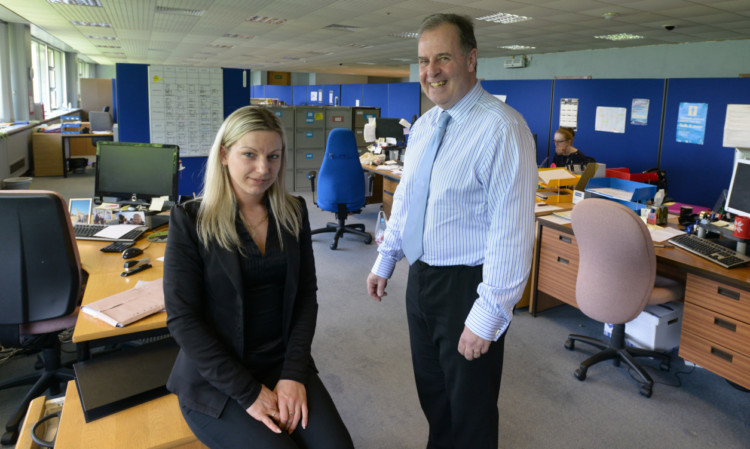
412	236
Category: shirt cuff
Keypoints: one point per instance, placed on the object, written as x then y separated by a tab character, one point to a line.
484	324
384	266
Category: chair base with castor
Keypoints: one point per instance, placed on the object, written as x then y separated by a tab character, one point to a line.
616	351
342	228
49	379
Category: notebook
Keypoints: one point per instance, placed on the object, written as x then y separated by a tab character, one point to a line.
119	380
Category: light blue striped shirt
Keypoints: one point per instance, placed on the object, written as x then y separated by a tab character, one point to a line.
480	208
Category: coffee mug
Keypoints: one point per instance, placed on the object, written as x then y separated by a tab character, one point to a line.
741	227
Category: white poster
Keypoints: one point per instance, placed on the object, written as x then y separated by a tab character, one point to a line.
186	107
737	126
611	120
569	113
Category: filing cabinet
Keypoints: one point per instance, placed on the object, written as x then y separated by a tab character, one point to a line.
558	265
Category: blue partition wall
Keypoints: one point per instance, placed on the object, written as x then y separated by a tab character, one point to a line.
697	174
376	96
532	98
403	101
132	102
351	94
638	147
282	93
299	95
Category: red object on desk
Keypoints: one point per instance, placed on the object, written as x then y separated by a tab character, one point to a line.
624	173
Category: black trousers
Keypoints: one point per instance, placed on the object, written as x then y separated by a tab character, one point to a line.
235	429
458	397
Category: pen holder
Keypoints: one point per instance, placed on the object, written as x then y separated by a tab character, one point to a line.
662	215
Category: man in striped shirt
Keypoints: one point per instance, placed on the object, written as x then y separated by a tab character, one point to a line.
477	239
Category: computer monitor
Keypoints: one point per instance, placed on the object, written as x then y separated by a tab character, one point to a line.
142	171
389	127
100	121
738	199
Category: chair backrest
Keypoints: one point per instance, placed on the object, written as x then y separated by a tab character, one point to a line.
100	121
617	263
341	178
40	270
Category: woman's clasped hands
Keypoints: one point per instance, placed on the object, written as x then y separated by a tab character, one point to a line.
283	408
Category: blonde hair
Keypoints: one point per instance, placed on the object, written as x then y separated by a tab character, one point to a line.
218	209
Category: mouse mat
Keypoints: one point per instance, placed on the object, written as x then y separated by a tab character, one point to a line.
119	380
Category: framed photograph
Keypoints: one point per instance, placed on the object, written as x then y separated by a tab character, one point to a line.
136	218
103	215
80	210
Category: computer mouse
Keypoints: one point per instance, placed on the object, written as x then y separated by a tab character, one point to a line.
131	252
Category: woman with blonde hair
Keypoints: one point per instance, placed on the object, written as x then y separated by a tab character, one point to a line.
240	292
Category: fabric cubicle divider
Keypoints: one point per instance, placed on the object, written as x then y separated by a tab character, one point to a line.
638	147
403	101
697	174
282	93
350	94
132	102
532	98
376	96
299	95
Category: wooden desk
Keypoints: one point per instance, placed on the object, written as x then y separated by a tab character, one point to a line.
716	317
154	424
51	151
104	280
389	182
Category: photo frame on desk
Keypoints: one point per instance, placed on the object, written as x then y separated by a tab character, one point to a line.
104	215
79	210
134	217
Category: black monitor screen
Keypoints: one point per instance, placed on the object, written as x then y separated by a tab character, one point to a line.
738	200
143	170
389	127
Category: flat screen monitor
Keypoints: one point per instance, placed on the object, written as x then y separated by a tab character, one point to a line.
738	198
389	127
142	171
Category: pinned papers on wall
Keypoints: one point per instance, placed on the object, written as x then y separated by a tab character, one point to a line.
610	120
691	123
737	126
569	113
639	112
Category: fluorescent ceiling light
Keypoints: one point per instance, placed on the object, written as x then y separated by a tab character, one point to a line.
106	38
90	24
619	37
336	27
517	47
220	46
264	19
96	3
355	45
406	35
502	17
179	11
238	36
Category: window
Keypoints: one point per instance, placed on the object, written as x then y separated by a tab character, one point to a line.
48	64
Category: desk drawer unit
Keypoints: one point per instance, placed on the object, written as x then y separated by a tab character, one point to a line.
716	328
558	265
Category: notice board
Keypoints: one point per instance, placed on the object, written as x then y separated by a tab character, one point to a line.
185	107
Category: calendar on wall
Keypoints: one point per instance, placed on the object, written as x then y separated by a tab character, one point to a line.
185	107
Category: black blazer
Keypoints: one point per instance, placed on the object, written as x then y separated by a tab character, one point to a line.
203	296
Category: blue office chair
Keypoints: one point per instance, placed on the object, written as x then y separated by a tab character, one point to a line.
341	185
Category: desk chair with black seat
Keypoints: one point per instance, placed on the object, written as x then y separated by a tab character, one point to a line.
42	285
616	280
341	186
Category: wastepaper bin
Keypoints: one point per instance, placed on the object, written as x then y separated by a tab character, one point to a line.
23	183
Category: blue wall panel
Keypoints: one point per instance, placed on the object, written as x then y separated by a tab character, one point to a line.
350	94
403	101
236	90
638	147
698	173
282	93
132	102
376	96
258	91
533	99
299	95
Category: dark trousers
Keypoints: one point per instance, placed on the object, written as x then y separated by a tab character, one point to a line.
235	429
458	397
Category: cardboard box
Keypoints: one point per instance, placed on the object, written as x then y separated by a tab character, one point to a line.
656	328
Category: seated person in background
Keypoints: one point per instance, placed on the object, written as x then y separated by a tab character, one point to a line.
240	293
566	155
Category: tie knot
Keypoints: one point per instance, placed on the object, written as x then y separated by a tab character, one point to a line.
443	119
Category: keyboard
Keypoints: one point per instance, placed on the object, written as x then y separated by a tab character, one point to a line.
709	250
89	231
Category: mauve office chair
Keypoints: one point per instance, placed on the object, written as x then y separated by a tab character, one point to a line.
616	280
42	286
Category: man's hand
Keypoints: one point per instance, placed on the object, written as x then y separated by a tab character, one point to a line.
376	286
471	346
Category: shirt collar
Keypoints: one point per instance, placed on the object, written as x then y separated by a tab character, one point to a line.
462	109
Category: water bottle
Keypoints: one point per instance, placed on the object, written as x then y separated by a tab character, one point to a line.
380	227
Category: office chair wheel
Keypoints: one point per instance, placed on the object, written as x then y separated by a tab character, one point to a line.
645	390
580	374
10	437
333	245
569	344
664	366
368	240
